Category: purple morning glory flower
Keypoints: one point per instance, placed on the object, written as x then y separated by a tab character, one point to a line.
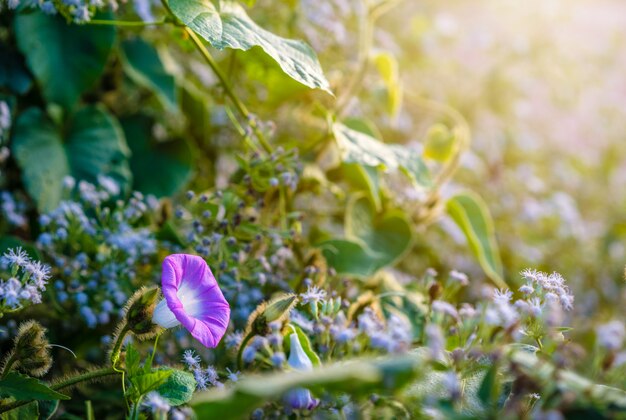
193	299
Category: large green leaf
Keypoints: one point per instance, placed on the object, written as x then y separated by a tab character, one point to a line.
162	168
24	388
374	240
38	150
358	147
92	144
146	382
358	377
228	26
471	214
66	59
144	66
349	257
388	235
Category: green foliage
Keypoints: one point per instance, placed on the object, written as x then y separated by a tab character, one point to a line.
373	240
53	47
358	147
172	158
24	388
143	64
93	144
357	378
471	214
143	382
178	387
228	26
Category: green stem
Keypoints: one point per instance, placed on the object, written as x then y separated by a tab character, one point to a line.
94	374
241	348
8	364
241	107
117	347
128	23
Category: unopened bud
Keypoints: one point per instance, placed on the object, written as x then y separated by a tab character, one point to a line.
139	313
274	310
31	349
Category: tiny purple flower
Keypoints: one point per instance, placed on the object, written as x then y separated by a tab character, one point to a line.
193	299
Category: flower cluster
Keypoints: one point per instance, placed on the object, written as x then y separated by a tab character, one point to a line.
23	282
79	11
115	242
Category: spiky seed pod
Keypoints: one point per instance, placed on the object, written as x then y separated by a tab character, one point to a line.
138	314
31	349
274	310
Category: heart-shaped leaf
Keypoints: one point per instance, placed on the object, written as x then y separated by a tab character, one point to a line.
228	26
66	59
172	158
374	240
93	144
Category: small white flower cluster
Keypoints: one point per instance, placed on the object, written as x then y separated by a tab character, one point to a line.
205	377
545	296
27	279
13	210
395	337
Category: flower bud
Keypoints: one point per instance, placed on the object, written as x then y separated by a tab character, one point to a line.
275	310
138	316
31	349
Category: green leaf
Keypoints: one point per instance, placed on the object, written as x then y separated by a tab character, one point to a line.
440	143
66	59
365	178
28	411
94	144
304	341
144	66
39	152
47	408
147	382
132	360
471	214
358	147
24	388
357	377
172	158
178	388
13	73
374	240
387	66
388	235
488	390
349	257
228	26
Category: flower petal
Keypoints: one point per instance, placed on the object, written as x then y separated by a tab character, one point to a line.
193	296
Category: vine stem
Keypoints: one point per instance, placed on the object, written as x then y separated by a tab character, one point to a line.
117	347
94	374
241	348
239	105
